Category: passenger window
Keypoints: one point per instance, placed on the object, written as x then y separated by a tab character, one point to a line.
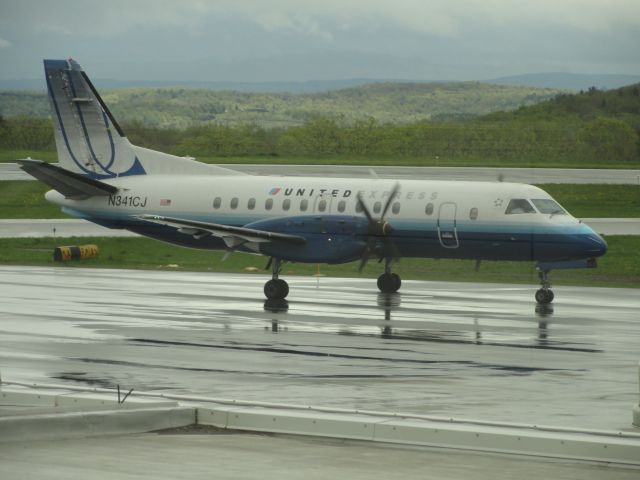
358	207
342	205
322	205
519	205
395	208
268	205
234	203
428	210
473	213
217	202
286	204
251	204
304	204
377	207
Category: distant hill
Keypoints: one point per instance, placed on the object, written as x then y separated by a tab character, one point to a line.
568	81
309	86
386	102
554	80
387	121
621	104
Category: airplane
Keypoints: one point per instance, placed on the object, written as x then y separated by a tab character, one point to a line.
103	178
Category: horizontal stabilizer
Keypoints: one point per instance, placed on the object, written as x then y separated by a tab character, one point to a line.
232	236
70	184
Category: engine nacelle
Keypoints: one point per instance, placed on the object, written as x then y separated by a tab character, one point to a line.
330	238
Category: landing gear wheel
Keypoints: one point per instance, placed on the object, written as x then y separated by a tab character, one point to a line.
389	282
397	282
284	288
544	296
276	289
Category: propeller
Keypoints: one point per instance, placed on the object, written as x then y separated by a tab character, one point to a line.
378	230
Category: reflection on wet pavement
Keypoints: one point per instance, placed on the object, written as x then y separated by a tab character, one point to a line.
455	349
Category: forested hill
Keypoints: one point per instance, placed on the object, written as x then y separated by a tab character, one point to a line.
622	104
589	129
397	103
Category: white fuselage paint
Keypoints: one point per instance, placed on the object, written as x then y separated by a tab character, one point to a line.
194	196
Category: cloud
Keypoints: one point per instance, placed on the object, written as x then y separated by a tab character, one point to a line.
433	17
459	38
298	24
586	15
317	18
5	43
100	18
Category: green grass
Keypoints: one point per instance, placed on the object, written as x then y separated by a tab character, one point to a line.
413	162
10	156
619	268
25	199
605	201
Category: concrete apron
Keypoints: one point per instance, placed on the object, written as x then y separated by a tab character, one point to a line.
49	412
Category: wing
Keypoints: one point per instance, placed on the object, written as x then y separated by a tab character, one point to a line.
232	236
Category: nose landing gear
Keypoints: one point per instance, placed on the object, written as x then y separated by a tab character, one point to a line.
389	282
276	288
544	295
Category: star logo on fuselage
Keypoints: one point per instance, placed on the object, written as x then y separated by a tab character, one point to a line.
498	202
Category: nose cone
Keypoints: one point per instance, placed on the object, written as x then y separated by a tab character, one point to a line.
603	246
595	244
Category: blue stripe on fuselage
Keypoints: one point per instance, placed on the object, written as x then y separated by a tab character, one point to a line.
477	240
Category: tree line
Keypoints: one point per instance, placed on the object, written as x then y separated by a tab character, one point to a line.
530	140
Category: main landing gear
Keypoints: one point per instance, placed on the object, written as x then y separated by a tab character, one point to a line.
276	288
389	282
544	295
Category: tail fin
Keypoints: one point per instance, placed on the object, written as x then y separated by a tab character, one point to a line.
88	139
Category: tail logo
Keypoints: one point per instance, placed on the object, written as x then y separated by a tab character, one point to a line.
88	139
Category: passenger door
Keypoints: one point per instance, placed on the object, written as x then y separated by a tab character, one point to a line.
447	229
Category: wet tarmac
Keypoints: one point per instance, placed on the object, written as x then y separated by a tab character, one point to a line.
455	349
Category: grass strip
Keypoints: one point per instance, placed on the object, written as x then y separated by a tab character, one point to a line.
620	267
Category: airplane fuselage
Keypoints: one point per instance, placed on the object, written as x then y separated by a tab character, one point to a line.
434	219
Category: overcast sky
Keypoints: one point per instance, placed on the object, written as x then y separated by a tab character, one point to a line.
291	40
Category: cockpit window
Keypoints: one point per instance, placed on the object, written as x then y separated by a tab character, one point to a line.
546	205
519	205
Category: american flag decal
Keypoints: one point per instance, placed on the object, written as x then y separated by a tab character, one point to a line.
165	202
274	191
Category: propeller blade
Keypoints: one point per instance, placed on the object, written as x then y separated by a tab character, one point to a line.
363	261
378	228
391	248
392	197
366	254
365	209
